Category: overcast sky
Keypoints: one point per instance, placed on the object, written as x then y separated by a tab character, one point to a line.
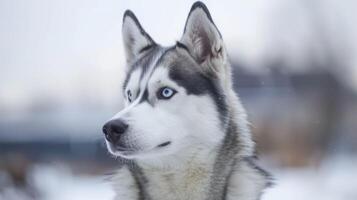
71	50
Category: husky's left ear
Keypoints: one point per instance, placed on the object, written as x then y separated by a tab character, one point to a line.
135	39
202	38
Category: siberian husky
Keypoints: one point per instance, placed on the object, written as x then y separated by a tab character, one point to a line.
183	133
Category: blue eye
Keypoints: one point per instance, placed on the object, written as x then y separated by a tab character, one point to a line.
166	93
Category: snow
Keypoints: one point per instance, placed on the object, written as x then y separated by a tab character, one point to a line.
61	184
336	179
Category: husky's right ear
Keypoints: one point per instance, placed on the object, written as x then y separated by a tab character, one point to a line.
136	40
202	38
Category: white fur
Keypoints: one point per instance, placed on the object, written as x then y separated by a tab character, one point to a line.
190	182
246	183
136	83
173	120
183	170
124	185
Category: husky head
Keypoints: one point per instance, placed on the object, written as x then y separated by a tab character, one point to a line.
175	97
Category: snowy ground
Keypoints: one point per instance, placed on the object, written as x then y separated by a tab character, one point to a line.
335	180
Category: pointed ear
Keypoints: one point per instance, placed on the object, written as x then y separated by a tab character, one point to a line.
201	35
136	40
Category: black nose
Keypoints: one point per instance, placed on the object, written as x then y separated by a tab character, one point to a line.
114	129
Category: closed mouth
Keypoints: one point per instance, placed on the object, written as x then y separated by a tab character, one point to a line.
119	148
123	150
164	144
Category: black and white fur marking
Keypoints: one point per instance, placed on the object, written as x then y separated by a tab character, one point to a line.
194	144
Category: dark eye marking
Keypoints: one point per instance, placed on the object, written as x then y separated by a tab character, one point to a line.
129	95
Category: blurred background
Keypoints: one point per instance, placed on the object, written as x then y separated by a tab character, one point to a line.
61	68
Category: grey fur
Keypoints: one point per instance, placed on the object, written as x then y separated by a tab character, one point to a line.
184	71
140	180
192	68
224	164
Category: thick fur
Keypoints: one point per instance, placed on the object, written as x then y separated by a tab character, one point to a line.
196	144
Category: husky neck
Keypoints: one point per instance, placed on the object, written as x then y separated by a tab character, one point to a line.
197	155
181	177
